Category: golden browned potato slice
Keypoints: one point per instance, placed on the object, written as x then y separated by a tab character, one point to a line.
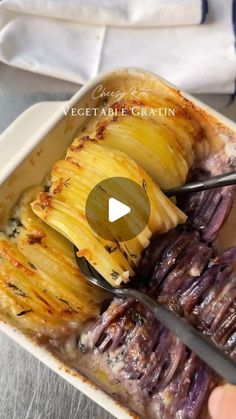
41	287
88	163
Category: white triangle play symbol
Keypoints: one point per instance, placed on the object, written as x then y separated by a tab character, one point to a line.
116	209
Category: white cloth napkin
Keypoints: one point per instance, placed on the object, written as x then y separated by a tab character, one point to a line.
116	12
199	59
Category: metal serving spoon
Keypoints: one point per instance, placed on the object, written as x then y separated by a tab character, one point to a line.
194	340
225	179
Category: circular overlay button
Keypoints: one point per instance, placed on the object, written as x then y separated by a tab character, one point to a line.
118	209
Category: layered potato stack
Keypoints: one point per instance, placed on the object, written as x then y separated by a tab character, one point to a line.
64	208
41	288
164	145
150	150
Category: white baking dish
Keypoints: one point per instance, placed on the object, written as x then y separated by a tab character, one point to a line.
39	137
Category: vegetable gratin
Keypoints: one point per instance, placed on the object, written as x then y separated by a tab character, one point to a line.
176	258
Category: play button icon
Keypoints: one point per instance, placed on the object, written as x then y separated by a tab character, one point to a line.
118	209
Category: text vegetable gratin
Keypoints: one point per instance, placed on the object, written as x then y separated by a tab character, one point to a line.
174	260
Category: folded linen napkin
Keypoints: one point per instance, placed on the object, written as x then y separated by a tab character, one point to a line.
199	59
117	12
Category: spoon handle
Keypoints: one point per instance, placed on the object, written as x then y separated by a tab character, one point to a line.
194	340
225	179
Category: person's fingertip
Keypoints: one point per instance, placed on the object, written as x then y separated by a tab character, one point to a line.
214	401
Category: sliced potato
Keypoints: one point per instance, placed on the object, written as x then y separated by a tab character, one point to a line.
64	208
41	287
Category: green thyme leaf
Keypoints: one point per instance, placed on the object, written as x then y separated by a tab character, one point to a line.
110	249
114	275
22	313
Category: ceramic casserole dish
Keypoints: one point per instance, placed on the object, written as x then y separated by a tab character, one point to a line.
39	138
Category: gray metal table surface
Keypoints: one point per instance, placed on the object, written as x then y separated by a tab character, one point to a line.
28	389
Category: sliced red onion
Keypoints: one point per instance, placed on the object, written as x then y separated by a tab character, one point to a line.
229	256
211	230
207	210
226	331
